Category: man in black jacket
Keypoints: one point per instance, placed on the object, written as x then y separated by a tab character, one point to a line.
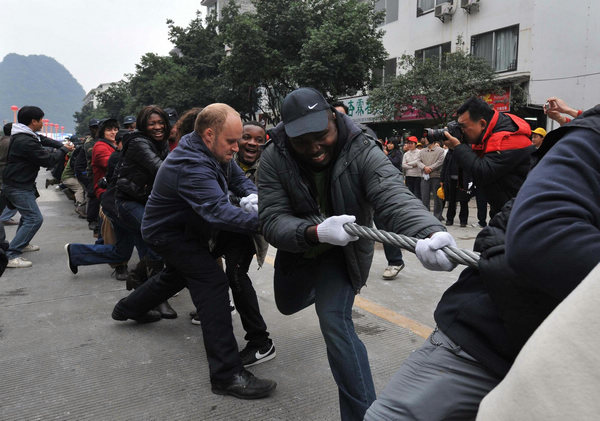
471	349
319	163
26	154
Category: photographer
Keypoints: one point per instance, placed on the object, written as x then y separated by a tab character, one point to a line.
495	150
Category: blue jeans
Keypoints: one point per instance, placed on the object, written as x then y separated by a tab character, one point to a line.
31	218
7	213
93	254
325	282
130	216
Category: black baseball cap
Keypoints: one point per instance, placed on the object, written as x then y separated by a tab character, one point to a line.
173	117
94	122
129	120
304	111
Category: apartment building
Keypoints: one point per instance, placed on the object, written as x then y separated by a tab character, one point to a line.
215	6
552	46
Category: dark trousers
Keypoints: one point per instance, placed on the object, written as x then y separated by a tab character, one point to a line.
393	254
93	208
190	264
428	189
481	207
414	185
463	215
237	261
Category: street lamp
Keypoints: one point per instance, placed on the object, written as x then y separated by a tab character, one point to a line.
46	123
62	131
14	109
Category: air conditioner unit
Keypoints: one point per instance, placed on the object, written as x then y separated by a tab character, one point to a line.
470	5
444	11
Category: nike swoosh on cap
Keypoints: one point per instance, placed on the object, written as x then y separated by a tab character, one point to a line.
310	107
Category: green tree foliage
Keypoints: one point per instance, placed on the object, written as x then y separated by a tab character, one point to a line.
437	90
189	77
82	118
252	60
328	44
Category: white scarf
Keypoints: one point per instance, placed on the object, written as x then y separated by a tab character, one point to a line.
21	128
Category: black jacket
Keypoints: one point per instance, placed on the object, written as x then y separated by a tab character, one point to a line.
107	200
525	270
395	156
26	155
141	159
450	170
362	182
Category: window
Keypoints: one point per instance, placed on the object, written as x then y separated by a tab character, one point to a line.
499	48
426	6
433	53
389	69
384	75
391	9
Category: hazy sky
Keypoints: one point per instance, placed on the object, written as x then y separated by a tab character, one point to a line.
97	41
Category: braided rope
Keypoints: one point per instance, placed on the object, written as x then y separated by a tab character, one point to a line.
454	254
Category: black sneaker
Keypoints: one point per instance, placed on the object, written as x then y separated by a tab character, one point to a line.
252	355
244	385
121	273
72	267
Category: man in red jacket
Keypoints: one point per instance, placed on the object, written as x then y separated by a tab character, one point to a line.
495	150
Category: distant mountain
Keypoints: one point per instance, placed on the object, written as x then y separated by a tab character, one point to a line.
42	81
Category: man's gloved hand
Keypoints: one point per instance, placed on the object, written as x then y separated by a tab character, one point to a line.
249	203
429	252
332	230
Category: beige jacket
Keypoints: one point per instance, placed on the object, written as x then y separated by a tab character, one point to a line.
556	376
433	158
409	164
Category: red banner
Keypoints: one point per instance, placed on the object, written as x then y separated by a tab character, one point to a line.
499	102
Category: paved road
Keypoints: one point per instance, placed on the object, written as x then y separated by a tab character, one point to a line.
63	357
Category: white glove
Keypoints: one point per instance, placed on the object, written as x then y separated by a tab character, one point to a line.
429	252
249	203
332	230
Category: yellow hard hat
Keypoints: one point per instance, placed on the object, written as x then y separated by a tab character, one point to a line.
440	193
540	131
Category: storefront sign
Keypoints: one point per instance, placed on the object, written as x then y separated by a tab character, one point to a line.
499	102
359	109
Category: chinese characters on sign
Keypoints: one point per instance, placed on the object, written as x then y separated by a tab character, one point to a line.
359	109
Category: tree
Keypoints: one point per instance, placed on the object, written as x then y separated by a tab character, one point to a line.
437	90
82	118
117	101
328	44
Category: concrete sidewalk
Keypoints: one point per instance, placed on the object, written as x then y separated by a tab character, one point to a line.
63	357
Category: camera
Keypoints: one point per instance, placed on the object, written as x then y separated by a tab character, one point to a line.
103	183
437	135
